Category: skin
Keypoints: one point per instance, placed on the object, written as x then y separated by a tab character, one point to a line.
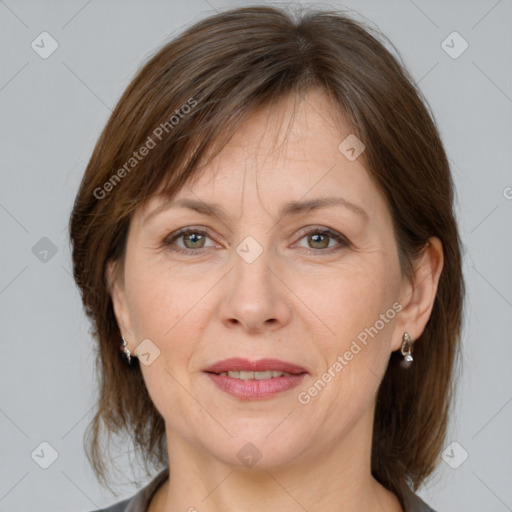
303	300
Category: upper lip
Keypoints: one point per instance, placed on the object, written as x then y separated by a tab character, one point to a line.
261	365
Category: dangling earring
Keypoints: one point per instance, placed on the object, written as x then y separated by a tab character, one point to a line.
125	349
406	351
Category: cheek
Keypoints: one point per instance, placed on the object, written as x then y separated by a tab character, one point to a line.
159	301
164	311
351	300
168	309
354	351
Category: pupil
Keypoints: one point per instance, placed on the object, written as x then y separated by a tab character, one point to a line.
316	241
194	237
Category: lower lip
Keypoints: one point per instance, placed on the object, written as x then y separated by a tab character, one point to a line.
255	389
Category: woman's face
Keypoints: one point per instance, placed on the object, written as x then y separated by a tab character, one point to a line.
261	285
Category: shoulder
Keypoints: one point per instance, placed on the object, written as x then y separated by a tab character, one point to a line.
413	503
139	502
121	506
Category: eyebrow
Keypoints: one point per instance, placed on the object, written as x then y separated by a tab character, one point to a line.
290	208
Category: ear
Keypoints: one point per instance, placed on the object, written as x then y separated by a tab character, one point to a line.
116	288
417	297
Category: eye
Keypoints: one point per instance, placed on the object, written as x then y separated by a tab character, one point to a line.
320	238
194	240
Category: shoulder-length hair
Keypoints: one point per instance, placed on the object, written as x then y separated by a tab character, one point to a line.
181	108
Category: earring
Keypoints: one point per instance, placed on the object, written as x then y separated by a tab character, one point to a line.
125	350
406	351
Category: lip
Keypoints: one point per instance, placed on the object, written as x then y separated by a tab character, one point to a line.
255	389
262	365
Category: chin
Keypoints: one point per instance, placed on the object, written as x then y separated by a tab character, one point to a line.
257	444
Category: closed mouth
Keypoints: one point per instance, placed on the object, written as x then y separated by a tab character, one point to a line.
262	369
245	375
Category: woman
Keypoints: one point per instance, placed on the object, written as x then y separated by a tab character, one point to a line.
265	243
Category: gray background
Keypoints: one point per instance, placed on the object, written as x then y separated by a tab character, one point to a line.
52	111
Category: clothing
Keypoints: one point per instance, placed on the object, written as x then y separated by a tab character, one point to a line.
140	501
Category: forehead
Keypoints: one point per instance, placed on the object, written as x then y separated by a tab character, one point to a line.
290	151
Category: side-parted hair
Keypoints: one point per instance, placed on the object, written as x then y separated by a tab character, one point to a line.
179	111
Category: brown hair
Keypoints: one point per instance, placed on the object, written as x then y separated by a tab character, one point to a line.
189	98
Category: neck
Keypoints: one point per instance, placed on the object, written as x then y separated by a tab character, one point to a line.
336	478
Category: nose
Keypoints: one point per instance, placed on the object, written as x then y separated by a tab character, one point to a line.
255	295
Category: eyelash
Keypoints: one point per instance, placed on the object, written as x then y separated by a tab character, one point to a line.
303	232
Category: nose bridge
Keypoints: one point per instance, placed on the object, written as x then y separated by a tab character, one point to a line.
255	296
252	260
